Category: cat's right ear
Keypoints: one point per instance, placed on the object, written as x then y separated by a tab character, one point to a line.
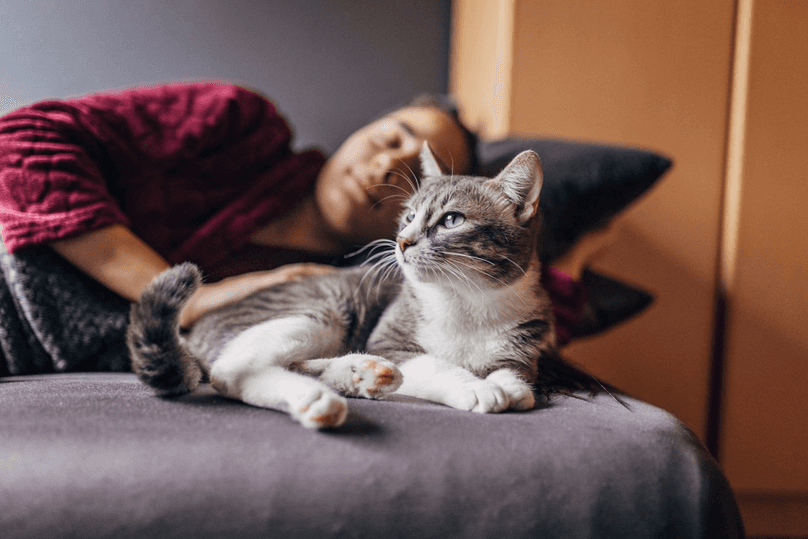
429	165
521	181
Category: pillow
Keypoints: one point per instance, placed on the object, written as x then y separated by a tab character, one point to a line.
609	302
585	184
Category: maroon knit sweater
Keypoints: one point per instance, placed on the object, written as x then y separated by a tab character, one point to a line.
192	169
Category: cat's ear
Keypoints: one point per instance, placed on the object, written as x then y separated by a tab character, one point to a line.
521	181
429	165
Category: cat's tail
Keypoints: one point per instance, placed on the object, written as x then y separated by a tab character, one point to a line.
559	376
153	337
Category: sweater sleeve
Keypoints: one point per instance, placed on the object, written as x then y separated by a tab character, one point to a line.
51	183
190	168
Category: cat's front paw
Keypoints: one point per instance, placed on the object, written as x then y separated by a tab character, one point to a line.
519	393
320	409
501	390
374	377
480	396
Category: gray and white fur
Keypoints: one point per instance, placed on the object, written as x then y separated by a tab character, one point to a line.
453	313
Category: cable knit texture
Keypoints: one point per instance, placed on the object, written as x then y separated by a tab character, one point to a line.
193	169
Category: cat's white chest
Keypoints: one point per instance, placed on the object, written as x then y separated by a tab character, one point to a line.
465	347
469	334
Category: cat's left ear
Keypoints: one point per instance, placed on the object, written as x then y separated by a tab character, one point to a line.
429	165
521	181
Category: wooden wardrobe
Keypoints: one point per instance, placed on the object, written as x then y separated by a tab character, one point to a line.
722	88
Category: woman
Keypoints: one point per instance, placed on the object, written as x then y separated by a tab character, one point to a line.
123	185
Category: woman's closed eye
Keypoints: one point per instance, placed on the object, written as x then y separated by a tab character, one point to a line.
388	135
389	141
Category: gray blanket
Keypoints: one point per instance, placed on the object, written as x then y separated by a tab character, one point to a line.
98	456
56	319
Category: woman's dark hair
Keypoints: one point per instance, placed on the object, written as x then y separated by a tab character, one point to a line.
449	106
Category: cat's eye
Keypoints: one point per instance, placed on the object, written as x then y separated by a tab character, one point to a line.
410	216
452	219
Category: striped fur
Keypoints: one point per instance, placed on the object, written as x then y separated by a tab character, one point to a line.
454	306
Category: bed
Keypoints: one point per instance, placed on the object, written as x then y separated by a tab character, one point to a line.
96	454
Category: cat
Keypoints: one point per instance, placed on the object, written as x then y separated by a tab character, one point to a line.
453	313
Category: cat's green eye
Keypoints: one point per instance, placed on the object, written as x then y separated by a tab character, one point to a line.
453	219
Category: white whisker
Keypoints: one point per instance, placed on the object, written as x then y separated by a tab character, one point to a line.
459	272
378	202
406	193
391	269
375	244
380	269
469	256
488	261
408	178
515	264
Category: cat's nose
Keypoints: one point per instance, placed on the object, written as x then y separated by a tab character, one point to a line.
403	243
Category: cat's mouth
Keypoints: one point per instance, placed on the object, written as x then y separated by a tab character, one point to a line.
407	263
418	269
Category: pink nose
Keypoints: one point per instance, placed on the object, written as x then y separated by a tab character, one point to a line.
403	243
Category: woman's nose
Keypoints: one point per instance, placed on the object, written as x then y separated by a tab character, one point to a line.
382	162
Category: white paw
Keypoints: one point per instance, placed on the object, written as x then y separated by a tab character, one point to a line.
320	409
480	396
519	393
373	377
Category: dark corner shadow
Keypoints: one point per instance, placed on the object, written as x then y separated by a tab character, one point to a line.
16	378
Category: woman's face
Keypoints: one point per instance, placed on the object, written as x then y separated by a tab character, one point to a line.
361	187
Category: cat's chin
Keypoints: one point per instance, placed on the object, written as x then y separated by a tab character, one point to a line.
412	274
435	277
417	275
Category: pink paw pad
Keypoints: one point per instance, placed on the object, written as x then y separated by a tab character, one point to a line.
375	378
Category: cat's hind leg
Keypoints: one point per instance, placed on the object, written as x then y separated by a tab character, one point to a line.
357	375
309	401
254	368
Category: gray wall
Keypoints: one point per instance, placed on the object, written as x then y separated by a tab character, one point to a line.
330	65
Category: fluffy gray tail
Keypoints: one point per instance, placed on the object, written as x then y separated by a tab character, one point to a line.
158	356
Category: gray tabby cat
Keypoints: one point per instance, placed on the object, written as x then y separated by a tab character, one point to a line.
464	322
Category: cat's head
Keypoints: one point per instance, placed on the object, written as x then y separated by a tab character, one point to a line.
467	230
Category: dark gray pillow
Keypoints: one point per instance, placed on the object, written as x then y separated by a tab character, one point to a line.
585	184
609	302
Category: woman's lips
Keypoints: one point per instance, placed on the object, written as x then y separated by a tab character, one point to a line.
361	189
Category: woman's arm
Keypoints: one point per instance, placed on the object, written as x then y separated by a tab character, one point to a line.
115	257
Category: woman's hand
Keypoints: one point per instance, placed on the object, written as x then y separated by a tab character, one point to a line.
213	296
